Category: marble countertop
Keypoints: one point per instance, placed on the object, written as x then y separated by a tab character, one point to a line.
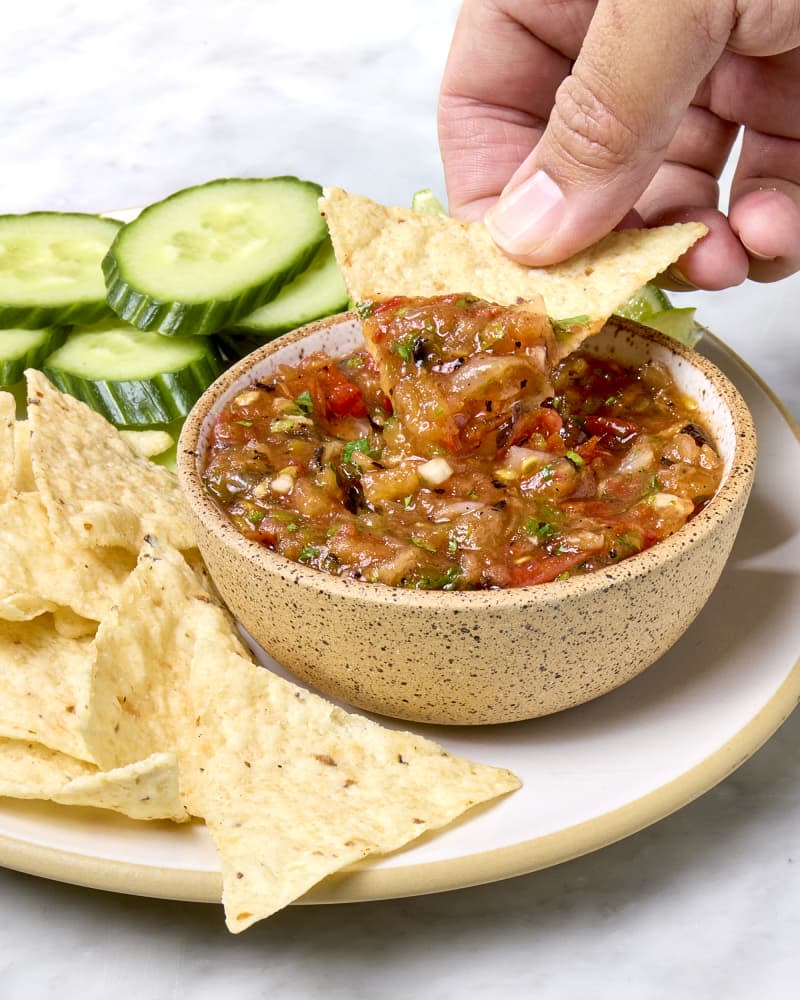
109	105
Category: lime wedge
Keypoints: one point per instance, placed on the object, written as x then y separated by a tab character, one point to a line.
648	301
677	323
651	307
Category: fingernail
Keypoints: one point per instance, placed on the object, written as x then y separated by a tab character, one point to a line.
679	277
754	253
528	215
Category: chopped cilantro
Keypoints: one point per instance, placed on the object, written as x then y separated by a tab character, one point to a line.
540	529
405	348
255	516
308	553
305	402
365	309
361	445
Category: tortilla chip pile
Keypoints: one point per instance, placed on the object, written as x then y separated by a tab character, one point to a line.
124	684
384	251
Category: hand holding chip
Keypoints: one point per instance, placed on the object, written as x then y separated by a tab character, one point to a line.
583	116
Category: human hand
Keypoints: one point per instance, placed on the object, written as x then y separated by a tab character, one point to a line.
584	116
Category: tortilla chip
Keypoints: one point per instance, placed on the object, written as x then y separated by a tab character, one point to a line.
44	684
8	412
23	472
146	790
92	483
294	788
39	571
137	703
395	251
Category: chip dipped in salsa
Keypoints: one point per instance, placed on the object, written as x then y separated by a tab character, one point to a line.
461	450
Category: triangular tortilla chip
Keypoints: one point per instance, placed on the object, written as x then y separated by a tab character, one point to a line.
385	251
44	685
137	702
294	788
92	483
145	790
37	570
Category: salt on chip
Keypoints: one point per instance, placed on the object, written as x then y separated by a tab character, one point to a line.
144	790
293	788
44	685
39	570
8	412
384	251
91	482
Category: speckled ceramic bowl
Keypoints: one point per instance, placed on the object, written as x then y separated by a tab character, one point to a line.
486	656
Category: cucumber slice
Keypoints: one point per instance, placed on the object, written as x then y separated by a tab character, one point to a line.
21	349
318	291
134	377
208	255
50	268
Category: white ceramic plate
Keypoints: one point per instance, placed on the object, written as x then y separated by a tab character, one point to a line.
590	776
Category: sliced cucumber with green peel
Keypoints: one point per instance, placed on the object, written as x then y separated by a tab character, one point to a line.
21	349
50	268
319	291
208	255
134	377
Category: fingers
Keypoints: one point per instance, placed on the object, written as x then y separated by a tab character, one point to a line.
612	123
505	64
765	204
685	188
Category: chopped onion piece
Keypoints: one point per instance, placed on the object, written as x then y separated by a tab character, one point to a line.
435	472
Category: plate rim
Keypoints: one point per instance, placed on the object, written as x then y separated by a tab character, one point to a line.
363	883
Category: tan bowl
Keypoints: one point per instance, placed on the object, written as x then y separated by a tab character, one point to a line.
484	656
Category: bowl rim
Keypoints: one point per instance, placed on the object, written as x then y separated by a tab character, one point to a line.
732	493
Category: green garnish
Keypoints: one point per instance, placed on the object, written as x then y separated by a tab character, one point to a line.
305	402
561	327
361	445
255	516
308	553
405	348
539	529
575	459
365	309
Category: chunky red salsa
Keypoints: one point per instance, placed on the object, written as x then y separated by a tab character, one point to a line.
451	455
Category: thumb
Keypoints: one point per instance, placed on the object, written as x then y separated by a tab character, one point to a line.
613	118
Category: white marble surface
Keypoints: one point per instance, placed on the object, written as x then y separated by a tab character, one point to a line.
110	104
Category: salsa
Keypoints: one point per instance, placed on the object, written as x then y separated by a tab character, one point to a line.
458	453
